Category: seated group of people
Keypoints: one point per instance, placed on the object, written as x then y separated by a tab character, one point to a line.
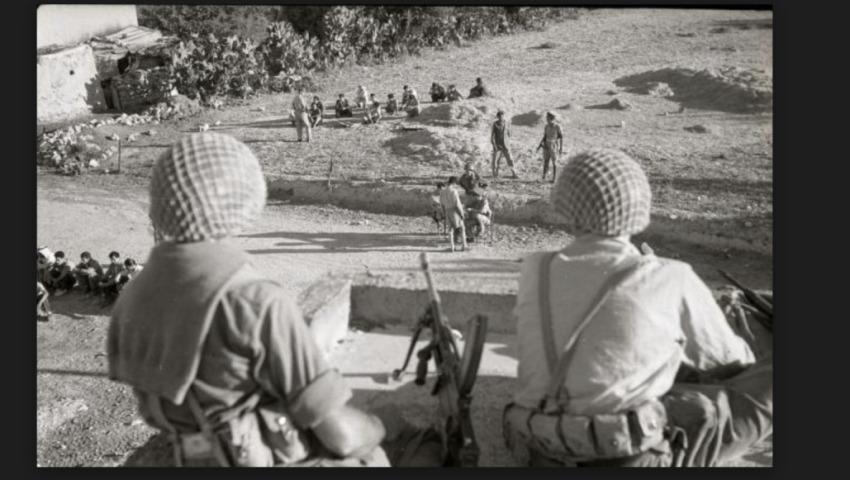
55	275
409	102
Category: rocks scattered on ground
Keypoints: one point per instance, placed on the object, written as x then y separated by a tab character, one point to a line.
686	34
150	133
114	137
611	92
132	137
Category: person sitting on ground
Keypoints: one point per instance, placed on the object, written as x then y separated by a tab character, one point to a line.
342	109
470	178
604	332
438	92
317	109
374	113
392	104
436	208
405	97
479	90
361	98
240	358
131	269
42	305
88	272
61	275
108	284
413	106
478	212
452	94
453	212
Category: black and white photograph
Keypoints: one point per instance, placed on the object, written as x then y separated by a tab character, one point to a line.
404	236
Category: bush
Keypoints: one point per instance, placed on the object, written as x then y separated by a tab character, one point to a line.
221	54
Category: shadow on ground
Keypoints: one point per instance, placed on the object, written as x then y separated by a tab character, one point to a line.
345	242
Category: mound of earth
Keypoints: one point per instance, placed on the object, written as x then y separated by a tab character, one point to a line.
615	104
730	89
443	147
534	118
469	113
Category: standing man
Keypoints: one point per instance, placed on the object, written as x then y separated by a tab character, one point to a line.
453	212
219	357
302	120
499	135
552	144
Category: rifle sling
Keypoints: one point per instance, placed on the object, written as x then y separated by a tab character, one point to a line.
558	366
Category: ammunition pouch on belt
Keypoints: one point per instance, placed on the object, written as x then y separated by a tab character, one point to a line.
578	438
263	436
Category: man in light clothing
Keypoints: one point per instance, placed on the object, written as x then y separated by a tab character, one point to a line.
453	212
601	370
552	144
302	119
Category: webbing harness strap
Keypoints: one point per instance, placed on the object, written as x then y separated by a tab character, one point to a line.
558	366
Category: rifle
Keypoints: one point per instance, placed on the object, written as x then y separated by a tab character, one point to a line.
760	303
456	375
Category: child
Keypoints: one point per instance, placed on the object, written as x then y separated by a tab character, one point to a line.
392	104
454	211
374	113
342	108
88	272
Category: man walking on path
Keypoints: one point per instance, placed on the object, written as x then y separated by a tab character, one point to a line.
552	144
498	138
302	120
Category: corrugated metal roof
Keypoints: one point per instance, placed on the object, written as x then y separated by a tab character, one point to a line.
130	39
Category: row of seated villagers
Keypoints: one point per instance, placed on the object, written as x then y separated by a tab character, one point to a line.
56	276
410	103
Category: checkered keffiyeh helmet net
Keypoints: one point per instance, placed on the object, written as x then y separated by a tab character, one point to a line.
206	186
604	192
